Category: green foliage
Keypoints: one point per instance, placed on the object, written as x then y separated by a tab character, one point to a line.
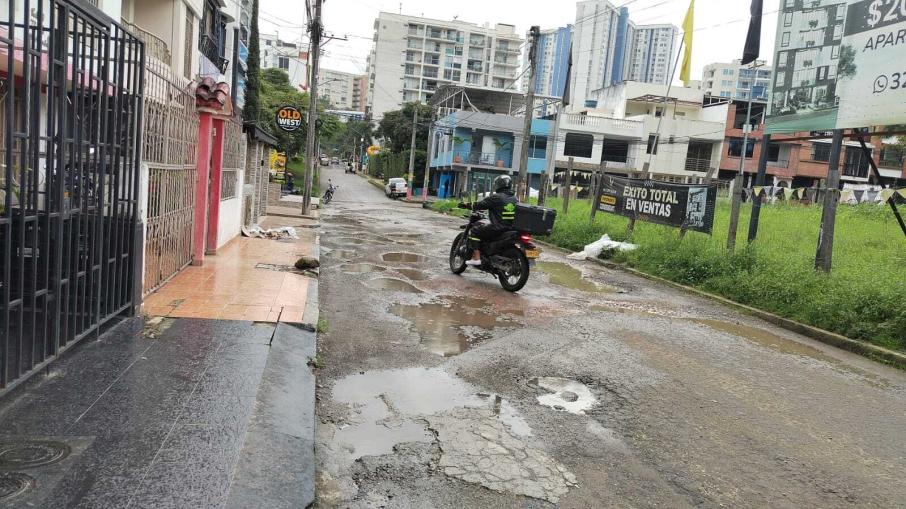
449	207
347	139
322	327
862	298
252	108
396	128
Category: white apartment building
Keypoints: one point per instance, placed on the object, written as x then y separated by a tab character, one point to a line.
339	88
737	81
609	49
553	61
412	57
288	56
621	130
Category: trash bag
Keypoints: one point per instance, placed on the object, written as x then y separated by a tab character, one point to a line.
594	249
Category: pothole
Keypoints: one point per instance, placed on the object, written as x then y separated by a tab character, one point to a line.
450	328
30	454
361	268
343	254
413	274
14	484
404	257
565	275
344	241
394	285
566	395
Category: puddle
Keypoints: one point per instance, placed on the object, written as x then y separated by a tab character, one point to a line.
773	341
405	242
634	309
394	285
562	274
404	257
567	395
360	268
345	254
413	274
450	328
349	241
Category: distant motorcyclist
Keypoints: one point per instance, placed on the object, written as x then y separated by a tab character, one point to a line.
501	207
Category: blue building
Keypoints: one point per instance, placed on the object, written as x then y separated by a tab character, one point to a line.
553	61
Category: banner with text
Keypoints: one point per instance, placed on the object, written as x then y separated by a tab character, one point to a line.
874	92
687	206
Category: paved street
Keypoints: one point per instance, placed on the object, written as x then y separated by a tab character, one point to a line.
589	388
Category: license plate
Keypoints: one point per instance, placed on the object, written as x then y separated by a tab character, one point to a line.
532	253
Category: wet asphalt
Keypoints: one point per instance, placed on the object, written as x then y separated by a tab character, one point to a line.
589	388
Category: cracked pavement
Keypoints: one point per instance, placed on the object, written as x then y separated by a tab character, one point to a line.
589	388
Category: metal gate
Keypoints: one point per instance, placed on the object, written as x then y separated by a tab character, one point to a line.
169	144
70	90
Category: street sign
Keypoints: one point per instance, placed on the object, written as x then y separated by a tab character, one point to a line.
686	206
289	118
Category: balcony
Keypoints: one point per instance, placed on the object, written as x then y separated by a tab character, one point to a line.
212	51
614	126
498	160
698	164
154	45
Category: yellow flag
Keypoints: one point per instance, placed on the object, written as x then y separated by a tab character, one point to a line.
687	44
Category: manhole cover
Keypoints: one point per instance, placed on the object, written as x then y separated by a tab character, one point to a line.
31	454
13	484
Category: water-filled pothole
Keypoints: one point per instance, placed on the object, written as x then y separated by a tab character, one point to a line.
404	257
345	241
566	395
413	274
562	274
343	254
452	327
360	268
394	285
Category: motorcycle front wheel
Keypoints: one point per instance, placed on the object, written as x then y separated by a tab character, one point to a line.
457	256
517	272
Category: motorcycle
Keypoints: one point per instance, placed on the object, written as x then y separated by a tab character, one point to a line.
508	257
328	195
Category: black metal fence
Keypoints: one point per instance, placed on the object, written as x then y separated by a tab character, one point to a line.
70	111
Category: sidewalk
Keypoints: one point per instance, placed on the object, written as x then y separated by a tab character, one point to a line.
248	279
176	410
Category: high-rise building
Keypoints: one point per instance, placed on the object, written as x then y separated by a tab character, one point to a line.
553	61
609	49
339	88
737	81
413	56
288	56
360	93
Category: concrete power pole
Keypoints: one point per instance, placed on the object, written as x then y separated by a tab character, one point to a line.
412	151
311	158
825	253
522	183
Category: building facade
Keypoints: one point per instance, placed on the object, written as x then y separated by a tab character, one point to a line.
737	81
289	56
339	88
412	57
553	61
609	49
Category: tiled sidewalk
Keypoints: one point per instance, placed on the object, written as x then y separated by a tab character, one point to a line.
229	286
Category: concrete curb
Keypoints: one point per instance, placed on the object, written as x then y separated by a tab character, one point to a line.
874	352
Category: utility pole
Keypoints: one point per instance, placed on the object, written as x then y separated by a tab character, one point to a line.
412	151
314	28
825	253
759	182
736	197
431	148
522	183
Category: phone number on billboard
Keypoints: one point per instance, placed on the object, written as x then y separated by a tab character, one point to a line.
885	82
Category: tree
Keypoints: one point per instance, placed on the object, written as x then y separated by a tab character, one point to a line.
396	127
251	110
846	66
347	139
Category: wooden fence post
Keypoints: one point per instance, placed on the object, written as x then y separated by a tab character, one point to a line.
825	252
598	189
569	180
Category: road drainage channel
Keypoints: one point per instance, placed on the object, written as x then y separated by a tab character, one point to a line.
452	325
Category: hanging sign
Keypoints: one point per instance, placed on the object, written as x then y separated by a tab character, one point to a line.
687	206
289	119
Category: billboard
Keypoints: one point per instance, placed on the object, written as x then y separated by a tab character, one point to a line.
838	64
687	206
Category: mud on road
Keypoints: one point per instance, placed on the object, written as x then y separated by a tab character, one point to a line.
589	388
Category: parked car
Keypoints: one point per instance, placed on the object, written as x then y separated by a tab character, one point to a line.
325	161
396	187
335	161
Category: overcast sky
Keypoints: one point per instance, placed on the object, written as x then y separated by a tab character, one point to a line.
720	25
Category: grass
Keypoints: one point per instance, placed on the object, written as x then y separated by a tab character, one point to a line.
863	298
296	166
322	327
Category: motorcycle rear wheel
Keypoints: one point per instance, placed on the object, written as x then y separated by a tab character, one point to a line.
517	274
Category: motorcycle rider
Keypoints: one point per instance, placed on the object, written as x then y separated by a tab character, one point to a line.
501	207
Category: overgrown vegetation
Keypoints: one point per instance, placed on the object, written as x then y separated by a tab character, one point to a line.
863	298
